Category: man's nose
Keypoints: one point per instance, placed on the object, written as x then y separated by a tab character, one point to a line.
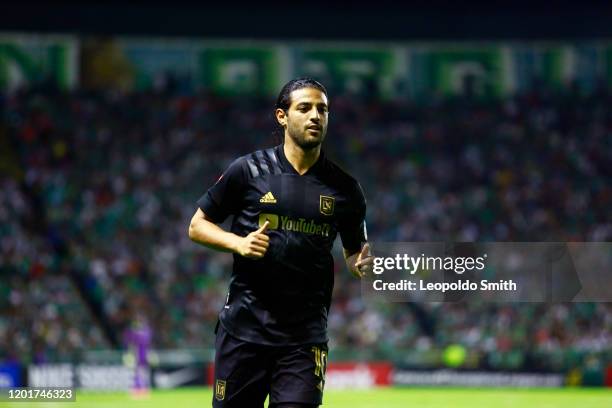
315	116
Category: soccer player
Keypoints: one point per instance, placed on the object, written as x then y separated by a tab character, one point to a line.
289	203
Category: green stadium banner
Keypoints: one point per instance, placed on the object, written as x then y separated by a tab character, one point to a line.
36	60
450	71
240	70
414	70
259	68
357	69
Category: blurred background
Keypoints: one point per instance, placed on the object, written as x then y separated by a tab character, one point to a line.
465	124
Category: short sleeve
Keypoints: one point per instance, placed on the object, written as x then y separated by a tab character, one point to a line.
224	197
352	225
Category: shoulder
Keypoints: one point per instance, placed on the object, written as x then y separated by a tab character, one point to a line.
236	168
343	181
260	163
256	158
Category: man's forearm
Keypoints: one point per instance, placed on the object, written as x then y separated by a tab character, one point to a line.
207	233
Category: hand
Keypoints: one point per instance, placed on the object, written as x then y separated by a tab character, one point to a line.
364	262
255	244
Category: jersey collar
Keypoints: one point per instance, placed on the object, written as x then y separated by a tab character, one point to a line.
289	168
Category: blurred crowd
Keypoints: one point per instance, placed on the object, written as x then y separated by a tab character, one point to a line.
98	189
41	313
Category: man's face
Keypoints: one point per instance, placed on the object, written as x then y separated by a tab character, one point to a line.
306	119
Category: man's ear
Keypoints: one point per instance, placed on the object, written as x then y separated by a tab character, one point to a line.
281	117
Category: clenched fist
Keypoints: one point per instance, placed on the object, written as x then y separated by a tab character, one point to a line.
255	244
364	262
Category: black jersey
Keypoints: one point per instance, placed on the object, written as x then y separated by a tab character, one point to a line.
284	297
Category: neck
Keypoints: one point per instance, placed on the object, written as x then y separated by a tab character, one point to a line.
301	159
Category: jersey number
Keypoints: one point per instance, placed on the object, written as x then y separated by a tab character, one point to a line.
320	357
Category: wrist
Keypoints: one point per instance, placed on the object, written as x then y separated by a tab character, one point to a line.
234	243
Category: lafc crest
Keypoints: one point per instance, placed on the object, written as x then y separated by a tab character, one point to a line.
326	205
220	390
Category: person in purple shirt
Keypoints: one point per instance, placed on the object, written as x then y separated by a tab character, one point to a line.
138	339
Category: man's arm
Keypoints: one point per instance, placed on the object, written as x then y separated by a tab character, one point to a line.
205	232
359	263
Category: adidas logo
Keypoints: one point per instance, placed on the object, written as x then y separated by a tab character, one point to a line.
268	198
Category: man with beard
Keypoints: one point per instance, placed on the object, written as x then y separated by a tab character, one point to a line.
289	203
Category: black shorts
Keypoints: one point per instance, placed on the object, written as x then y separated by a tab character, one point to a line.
245	373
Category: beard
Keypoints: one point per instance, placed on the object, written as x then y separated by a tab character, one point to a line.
306	141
